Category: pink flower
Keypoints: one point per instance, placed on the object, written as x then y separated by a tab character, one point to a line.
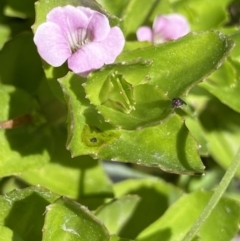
79	35
165	27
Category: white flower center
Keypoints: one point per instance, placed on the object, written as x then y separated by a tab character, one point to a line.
78	38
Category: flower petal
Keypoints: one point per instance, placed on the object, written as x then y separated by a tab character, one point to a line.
112	45
51	44
68	18
94	55
87	11
86	59
98	27
144	33
171	26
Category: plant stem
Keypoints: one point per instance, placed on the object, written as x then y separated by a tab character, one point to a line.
215	198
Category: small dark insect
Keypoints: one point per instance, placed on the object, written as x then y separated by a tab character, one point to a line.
177	102
93	139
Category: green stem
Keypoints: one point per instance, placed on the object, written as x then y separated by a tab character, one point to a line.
215	198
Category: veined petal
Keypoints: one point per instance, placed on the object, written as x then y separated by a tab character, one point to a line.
144	33
51	44
68	18
98	27
94	55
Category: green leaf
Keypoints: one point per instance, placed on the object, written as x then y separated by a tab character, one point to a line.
20	149
235	36
177	153
20	63
87	131
123	97
179	65
82	178
15	8
225	84
8	235
133	72
68	220
5	33
89	134
155	197
196	129
164	81
22	208
199	12
220	126
116	238
117	210
174	224
131	45
215	198
116	7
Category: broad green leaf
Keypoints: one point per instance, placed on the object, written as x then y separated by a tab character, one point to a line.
8	235
20	63
164	81
116	213
220	126
68	220
179	65
89	134
177	153
80	178
123	96
147	106
20	209
15	8
120	145
203	14
155	198
221	225
87	131
225	84
134	73
20	150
